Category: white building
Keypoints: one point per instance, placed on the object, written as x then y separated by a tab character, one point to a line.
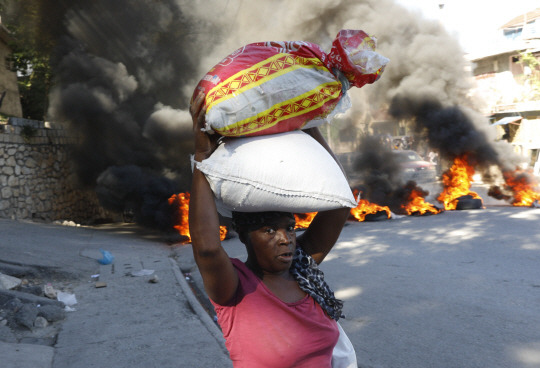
510	84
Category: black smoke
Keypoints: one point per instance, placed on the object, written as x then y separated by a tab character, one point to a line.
121	69
139	194
379	171
125	70
382	182
448	129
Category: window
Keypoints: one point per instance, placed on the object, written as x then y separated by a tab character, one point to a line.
512	33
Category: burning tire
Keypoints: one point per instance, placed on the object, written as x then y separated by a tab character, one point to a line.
467	202
377	216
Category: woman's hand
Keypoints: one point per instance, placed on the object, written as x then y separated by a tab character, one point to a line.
219	276
324	230
205	143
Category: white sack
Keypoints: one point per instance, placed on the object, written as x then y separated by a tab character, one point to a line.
344	355
281	172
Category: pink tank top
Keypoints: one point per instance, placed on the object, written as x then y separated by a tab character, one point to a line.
262	331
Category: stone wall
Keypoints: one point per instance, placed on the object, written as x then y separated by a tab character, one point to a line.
37	176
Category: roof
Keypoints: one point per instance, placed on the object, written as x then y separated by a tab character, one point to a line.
520	19
508	120
515	48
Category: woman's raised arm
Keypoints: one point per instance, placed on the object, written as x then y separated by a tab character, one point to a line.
325	228
219	276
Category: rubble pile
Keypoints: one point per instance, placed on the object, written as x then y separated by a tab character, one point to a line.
31	309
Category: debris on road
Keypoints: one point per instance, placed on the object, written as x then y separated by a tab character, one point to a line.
108	258
40	322
68	299
154	279
143	272
29	310
51	313
49	291
8	282
26	315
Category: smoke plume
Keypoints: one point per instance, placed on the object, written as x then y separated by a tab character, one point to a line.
125	71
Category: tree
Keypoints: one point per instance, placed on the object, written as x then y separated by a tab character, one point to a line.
531	65
31	52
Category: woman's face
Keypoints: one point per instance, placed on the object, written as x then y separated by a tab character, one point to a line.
273	244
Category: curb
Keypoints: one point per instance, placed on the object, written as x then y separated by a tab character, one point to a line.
197	308
20	355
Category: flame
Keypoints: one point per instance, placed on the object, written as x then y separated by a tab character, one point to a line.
304	219
416	204
222	232
456	182
180	202
522	184
366	208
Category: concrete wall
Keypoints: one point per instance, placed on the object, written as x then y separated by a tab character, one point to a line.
493	64
37	176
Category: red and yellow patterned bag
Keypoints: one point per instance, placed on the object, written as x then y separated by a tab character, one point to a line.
274	87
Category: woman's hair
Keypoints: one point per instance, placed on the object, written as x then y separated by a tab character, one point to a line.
249	221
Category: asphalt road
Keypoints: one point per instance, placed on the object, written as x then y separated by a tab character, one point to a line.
457	289
130	322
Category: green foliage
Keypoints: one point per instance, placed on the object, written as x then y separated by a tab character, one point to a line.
4	118
530	60
28	132
34	79
30	57
532	79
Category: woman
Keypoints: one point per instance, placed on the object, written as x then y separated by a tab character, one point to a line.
275	309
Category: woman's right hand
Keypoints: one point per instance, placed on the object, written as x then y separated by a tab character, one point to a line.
205	143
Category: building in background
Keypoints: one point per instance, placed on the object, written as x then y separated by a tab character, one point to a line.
508	80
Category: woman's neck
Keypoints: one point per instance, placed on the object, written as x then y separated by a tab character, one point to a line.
282	284
253	265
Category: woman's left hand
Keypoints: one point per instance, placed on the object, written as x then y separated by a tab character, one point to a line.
205	143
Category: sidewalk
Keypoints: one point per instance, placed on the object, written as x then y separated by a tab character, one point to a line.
130	322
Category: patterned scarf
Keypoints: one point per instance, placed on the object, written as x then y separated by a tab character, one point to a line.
311	280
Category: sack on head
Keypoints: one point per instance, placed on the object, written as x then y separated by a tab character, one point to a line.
273	87
282	172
